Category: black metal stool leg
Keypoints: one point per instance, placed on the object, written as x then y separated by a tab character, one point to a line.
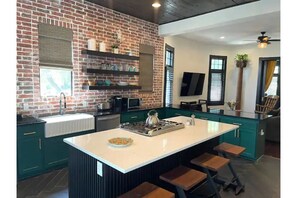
212	183
239	187
181	193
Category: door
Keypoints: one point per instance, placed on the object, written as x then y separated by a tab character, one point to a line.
273	86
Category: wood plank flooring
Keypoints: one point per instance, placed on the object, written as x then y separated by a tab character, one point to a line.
261	179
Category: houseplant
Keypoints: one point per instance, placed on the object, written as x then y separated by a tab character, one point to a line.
117	41
241	60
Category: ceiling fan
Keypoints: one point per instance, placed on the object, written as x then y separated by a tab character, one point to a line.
263	40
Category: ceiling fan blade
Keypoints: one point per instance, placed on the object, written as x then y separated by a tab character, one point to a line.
274	40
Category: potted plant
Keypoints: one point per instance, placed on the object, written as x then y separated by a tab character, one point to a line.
115	48
117	41
241	60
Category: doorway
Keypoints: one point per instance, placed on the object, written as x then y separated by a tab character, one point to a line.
269	76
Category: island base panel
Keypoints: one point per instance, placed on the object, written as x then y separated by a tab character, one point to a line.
85	182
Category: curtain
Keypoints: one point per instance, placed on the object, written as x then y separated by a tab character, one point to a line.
269	73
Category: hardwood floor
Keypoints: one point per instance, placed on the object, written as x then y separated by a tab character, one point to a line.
261	179
272	149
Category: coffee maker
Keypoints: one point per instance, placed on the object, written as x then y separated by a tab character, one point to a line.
117	104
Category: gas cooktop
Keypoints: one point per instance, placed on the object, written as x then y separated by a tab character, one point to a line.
141	128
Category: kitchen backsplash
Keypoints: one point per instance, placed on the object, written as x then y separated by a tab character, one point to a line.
87	20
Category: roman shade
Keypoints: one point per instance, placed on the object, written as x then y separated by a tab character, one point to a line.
55	46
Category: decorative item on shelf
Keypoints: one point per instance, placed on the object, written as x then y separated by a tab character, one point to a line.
129	52
92	44
117	41
102	47
107	82
231	105
100	83
241	62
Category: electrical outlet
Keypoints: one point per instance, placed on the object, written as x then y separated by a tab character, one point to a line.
85	103
99	169
26	106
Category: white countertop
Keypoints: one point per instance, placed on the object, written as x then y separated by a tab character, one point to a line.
145	150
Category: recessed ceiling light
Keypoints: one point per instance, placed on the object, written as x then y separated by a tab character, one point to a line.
222	37
156	5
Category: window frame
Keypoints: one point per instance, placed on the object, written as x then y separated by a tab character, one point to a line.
223	72
171	50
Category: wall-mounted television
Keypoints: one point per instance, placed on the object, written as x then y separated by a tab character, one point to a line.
192	84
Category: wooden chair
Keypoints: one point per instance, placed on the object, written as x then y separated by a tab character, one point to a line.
269	104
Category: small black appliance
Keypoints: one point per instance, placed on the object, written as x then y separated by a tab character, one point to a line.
117	104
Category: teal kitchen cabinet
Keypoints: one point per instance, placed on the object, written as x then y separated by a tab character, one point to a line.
56	151
170	112
133	116
206	116
29	149
250	135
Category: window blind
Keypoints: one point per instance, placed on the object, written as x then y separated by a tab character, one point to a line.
169	85
55	46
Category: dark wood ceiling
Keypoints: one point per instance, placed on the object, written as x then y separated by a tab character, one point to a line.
170	10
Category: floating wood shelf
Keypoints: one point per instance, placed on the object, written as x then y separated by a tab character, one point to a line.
87	87
114	72
108	54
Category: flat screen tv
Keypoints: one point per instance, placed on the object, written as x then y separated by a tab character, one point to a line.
192	84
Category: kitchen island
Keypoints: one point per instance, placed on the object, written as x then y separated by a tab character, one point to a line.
97	169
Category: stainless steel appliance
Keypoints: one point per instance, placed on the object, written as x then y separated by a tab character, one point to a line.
163	126
131	103
103	106
106	122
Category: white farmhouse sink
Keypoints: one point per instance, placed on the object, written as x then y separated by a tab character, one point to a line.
68	123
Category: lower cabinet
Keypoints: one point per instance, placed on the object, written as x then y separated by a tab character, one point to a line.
29	150
170	112
141	115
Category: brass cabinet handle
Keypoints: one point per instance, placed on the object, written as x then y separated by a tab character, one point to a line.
177	114
39	140
30	133
203	118
133	117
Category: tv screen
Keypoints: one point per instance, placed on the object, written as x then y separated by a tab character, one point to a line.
192	84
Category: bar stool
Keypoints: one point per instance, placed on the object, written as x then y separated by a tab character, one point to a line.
209	162
233	150
183	178
147	190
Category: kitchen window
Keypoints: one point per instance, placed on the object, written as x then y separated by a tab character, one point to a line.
216	80
168	77
55	60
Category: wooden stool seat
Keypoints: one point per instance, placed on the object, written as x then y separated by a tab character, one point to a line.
229	149
148	190
183	177
210	161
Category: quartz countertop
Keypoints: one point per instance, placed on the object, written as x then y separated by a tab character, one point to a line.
145	150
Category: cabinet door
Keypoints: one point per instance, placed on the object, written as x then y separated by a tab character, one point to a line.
248	140
132	116
29	156
177	112
205	116
55	151
231	137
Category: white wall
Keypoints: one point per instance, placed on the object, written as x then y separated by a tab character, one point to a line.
194	57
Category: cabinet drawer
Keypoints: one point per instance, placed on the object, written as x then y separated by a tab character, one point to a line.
29	131
206	116
132	117
177	112
242	123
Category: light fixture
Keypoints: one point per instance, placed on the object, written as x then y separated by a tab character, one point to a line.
222	37
262	44
156	5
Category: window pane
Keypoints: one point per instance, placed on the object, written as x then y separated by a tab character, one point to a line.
276	69
217	64
272	90
216	87
54	81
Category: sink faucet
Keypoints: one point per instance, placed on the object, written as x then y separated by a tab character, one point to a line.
61	111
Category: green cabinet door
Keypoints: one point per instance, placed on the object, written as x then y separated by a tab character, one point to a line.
29	150
55	152
134	116
231	137
29	156
248	140
170	112
206	116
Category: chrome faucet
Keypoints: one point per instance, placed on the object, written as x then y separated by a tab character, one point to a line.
61	111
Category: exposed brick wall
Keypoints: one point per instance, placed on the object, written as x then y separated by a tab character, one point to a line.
87	20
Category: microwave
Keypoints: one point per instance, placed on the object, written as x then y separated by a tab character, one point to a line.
130	103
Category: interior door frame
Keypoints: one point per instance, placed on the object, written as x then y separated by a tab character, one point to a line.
262	76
